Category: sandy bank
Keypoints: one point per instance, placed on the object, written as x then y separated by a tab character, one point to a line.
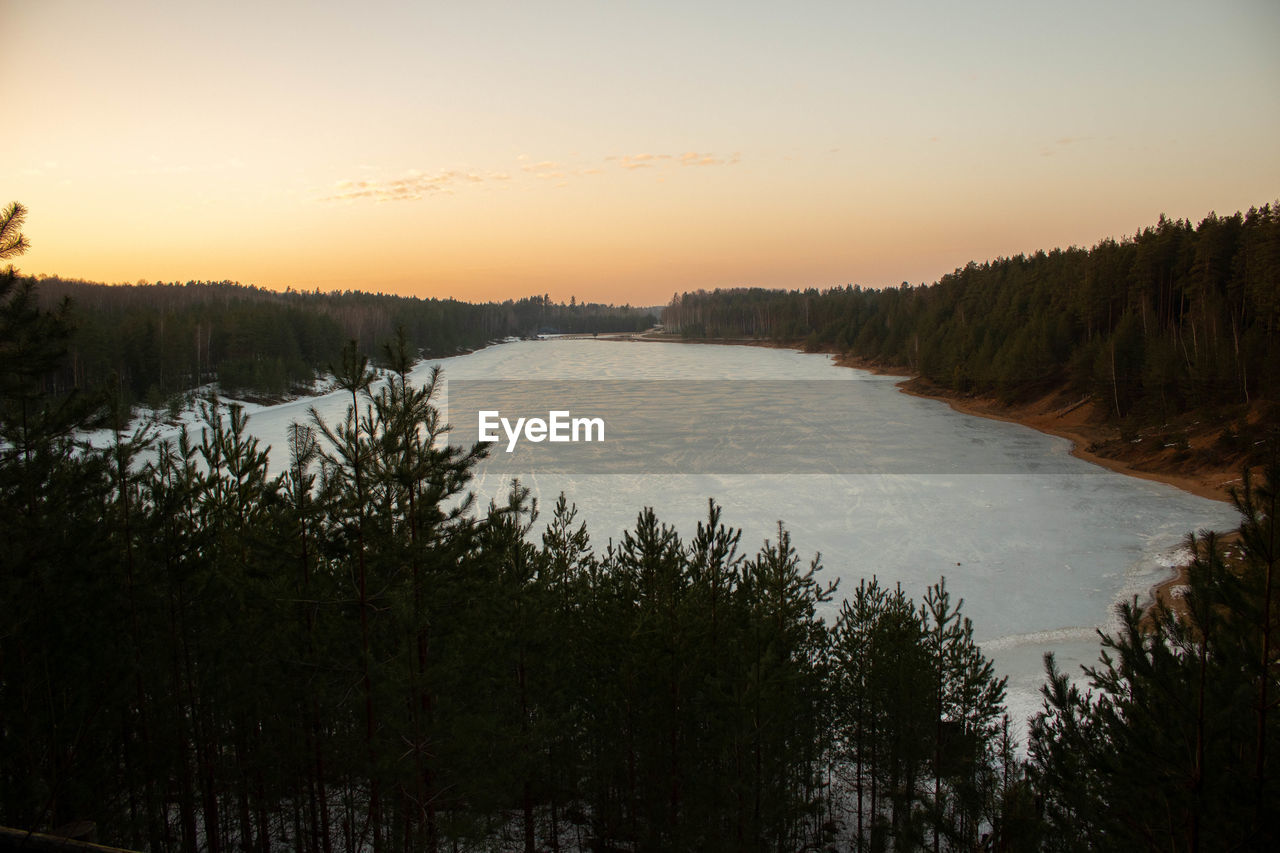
1077	421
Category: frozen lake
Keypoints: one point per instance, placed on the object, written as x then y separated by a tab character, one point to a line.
1040	545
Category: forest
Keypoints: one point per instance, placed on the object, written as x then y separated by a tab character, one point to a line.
353	655
1176	318
160	341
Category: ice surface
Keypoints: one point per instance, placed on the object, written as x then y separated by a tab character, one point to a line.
1041	552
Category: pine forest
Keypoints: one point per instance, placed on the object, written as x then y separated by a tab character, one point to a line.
356	655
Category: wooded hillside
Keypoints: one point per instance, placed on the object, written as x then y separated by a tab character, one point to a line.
1177	317
352	656
161	339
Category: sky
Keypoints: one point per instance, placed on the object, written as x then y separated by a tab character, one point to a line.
619	152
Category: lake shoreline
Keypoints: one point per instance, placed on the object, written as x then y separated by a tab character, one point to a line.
1078	421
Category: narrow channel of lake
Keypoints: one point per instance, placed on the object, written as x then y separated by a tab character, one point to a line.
1040	545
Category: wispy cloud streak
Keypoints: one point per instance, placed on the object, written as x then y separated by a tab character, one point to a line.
416	185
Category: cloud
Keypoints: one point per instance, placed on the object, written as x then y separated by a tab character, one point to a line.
413	186
545	170
1064	141
416	184
688	158
693	158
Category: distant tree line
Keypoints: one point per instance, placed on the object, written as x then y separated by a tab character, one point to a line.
1177	317
158	340
350	656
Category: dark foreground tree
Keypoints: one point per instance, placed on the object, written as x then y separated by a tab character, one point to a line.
1173	746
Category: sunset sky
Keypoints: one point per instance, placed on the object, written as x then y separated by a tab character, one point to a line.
619	152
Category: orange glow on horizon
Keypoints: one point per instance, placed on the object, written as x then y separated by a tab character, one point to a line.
499	153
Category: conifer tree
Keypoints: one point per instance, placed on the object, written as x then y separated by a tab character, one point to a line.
347	458
12	240
787	648
857	727
968	700
1159	750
